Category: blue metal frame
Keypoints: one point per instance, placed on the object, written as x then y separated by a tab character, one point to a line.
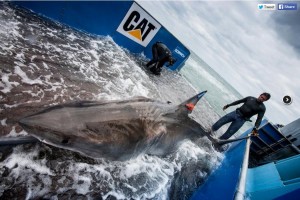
222	183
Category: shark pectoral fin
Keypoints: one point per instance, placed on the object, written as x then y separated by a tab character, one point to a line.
155	130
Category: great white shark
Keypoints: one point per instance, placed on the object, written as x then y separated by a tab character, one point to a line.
116	130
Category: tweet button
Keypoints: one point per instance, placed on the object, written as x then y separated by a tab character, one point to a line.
266	6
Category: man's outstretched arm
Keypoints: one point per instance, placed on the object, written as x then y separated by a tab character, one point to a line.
235	103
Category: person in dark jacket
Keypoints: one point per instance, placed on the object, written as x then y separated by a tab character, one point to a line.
251	107
161	54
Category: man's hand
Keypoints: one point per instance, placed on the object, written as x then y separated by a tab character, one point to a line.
254	132
225	107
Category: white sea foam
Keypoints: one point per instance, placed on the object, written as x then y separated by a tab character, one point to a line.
45	65
18	161
116	194
20	57
3	122
6	84
72	37
33	66
14	133
25	78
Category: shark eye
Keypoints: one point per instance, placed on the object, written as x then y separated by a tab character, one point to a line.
65	141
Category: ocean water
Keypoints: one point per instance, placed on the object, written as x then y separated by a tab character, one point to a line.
44	63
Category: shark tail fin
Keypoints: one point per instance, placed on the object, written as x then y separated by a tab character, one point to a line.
191	103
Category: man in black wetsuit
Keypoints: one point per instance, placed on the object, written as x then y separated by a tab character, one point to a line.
251	106
161	54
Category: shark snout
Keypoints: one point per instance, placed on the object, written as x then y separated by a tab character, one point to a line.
23	122
26	122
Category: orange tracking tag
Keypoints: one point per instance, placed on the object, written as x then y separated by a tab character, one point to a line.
190	106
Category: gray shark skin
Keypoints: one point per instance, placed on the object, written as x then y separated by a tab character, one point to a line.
117	130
